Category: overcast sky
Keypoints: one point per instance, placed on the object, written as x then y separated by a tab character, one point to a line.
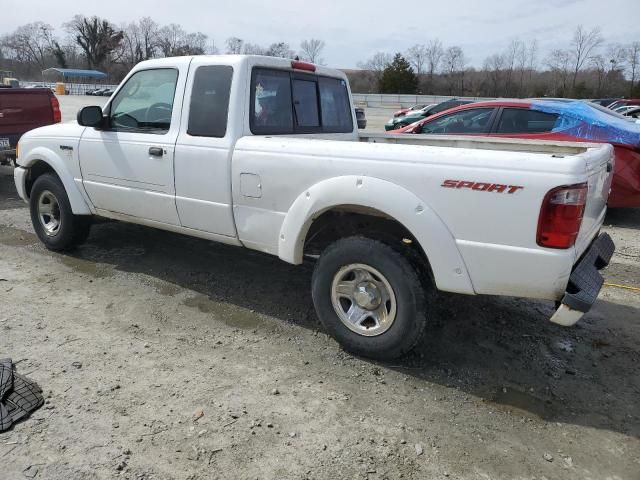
354	30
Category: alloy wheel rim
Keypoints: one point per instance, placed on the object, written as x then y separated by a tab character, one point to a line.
49	213
363	299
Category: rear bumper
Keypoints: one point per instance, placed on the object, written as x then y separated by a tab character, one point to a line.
585	282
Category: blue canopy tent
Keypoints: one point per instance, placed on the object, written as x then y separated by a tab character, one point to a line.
87	77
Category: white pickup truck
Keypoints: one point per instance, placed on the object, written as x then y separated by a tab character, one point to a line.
264	153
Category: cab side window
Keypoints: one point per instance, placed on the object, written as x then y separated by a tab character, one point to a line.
145	102
209	107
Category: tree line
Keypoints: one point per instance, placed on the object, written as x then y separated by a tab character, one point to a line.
96	43
588	67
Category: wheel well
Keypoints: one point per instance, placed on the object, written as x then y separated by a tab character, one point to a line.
353	220
37	169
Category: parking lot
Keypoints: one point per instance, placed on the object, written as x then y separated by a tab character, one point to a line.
164	356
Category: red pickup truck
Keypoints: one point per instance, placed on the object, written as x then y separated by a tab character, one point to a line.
21	110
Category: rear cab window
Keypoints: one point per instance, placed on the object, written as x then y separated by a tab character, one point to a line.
288	102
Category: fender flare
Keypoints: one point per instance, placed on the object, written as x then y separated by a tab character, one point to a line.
78	203
413	213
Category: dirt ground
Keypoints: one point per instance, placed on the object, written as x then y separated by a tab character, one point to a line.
168	357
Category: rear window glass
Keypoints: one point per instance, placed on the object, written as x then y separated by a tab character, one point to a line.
305	103
285	102
210	101
520	120
334	101
271	112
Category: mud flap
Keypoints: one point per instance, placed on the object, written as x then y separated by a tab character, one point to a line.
585	282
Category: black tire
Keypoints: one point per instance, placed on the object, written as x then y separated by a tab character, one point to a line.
72	230
398	126
411	298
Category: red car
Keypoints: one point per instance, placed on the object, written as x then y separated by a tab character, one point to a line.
550	120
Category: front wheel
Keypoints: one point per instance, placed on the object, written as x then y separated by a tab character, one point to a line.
51	215
370	298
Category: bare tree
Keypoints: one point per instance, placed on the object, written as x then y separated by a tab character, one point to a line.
532	59
279	49
311	50
253	49
31	43
170	38
633	60
582	45
193	44
600	67
97	38
454	62
212	48
434	55
559	62
377	64
234	45
494	65
148	37
521	66
418	56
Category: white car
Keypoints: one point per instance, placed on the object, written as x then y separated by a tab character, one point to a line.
264	153
624	109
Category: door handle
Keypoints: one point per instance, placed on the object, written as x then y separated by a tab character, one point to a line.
155	151
609	167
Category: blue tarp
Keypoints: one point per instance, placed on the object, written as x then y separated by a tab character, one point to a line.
77	73
582	120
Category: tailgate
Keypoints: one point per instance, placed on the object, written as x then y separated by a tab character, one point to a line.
23	111
599	166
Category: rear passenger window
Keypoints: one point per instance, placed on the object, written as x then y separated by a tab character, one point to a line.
271	111
520	120
210	101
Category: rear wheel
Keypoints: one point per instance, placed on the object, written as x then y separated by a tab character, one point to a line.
369	297
51	215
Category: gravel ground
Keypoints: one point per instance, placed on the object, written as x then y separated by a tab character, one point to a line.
168	357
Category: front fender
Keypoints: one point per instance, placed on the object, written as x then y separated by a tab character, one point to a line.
436	240
78	203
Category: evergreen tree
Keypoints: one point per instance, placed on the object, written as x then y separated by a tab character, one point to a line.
398	77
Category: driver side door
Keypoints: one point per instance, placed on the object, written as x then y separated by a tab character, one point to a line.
128	164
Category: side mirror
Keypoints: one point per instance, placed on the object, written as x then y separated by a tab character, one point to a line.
90	116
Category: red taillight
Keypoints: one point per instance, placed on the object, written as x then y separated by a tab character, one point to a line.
298	65
55	106
561	216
